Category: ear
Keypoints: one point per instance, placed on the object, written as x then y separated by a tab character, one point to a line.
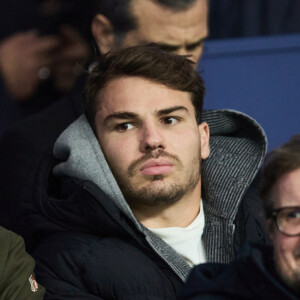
204	137
103	33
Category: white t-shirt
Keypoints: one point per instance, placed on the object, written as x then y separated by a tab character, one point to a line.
186	241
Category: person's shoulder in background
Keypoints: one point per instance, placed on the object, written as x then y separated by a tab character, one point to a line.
23	146
17	269
250	276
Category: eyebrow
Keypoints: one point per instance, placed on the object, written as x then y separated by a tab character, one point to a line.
130	115
120	115
170	110
168	47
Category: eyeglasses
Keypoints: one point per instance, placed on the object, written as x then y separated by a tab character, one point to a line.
287	220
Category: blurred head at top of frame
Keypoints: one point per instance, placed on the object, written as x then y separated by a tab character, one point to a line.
178	26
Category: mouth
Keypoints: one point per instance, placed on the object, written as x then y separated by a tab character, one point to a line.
157	167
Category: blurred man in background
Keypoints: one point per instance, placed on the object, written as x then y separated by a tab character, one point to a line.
177	26
263	272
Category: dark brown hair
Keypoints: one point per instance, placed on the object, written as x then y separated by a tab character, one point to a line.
149	62
278	162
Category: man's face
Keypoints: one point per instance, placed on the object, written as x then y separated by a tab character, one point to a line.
150	138
181	32
287	248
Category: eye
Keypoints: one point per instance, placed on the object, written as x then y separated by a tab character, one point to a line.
170	120
124	127
294	214
194	46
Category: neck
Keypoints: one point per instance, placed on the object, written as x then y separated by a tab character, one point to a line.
179	214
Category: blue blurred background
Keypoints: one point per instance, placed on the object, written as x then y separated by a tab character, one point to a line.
259	76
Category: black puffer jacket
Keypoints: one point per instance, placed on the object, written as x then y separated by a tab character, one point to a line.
90	249
95	252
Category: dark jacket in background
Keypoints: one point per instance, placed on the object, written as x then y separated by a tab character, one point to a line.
251	276
23	146
91	246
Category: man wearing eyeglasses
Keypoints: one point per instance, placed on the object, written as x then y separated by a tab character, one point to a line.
280	191
263	272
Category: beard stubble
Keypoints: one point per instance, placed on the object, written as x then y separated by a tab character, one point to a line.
159	194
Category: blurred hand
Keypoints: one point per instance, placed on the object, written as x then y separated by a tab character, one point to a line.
71	56
21	57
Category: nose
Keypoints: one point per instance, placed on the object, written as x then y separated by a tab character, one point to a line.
194	54
151	138
182	51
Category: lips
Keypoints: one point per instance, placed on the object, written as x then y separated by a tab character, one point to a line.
156	167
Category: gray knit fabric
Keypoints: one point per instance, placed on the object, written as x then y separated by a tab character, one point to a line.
238	145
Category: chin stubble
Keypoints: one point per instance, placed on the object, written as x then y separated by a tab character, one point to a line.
157	195
291	280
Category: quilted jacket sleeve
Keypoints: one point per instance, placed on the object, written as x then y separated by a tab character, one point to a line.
61	267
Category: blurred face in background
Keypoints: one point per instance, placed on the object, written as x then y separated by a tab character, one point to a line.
182	32
286	193
179	31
